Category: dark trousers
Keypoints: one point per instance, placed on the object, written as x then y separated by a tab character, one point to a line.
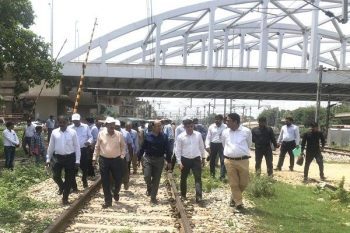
110	166
25	143
196	167
125	172
9	152
286	147
90	168
66	162
217	148
153	167
308	159
260	152
83	167
49	132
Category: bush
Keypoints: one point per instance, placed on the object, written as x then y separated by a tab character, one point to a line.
261	186
341	194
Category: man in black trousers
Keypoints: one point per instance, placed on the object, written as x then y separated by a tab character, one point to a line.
263	137
312	139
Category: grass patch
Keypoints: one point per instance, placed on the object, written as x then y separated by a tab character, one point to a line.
261	186
300	209
14	203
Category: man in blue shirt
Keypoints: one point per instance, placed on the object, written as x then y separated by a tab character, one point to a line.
153	149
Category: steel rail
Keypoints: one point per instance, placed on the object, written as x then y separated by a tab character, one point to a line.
63	220
185	222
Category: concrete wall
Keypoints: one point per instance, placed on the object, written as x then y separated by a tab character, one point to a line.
45	107
340	137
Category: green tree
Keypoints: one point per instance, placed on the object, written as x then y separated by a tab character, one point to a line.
23	54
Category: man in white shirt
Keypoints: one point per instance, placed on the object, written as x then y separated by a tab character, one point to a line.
288	139
236	140
11	141
190	156
213	144
64	153
178	130
28	133
85	140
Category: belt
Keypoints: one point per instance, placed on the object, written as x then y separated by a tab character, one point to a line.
109	157
238	158
64	155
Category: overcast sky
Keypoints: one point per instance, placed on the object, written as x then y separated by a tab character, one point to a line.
73	20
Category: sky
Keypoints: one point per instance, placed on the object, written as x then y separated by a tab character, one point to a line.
74	19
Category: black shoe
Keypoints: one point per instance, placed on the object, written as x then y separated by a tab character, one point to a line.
183	198
323	178
85	184
232	203
277	169
116	197
208	158
291	169
154	200
60	192
199	200
148	193
222	178
75	190
240	209
106	205
65	201
305	180
126	186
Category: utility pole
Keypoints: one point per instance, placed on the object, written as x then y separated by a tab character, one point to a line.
318	96
51	29
204	107
224	107
209	110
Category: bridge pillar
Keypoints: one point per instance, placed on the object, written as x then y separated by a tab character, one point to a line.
158	48
163	56
248	50
216	57
144	53
279	51
263	37
211	37
225	47
313	59
241	50
343	54
305	49
203	53
184	52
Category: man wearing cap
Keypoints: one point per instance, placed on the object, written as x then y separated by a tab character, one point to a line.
64	153
85	140
190	156
236	140
110	152
154	147
288	139
213	145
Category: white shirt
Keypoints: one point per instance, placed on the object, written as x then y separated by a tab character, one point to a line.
83	133
10	138
63	143
29	131
214	134
236	143
50	124
288	134
94	132
189	146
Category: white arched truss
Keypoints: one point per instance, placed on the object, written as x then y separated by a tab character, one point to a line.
282	27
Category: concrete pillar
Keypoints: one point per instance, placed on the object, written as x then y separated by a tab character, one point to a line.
248	57
263	37
305	49
184	51
279	51
144	53
157	58
216	57
313	64
241	50
164	56
225	48
343	54
211	37
203	53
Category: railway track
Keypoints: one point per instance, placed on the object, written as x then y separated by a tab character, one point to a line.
132	213
337	151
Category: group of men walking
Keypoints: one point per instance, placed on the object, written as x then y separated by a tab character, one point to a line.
117	147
